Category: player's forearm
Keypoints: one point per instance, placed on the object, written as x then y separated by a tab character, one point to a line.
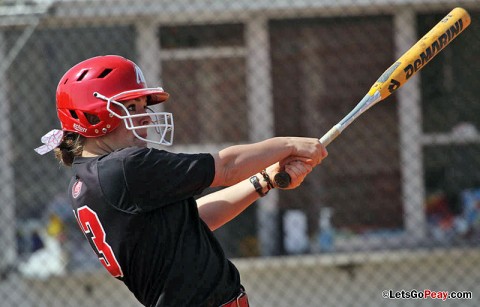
218	208
239	162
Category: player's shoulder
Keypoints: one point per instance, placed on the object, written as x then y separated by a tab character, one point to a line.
126	160
129	152
137	155
132	156
121	157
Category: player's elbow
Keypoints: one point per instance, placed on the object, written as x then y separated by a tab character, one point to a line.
226	174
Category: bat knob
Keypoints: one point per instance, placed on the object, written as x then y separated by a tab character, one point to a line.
282	180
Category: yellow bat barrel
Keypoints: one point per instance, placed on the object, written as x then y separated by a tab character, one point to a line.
422	52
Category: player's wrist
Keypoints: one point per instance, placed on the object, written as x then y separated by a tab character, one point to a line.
262	183
267	181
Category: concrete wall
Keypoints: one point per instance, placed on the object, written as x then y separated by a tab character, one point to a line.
356	279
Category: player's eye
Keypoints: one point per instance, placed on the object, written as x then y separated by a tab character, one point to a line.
131	108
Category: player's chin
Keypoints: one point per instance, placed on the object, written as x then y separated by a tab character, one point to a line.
140	143
134	141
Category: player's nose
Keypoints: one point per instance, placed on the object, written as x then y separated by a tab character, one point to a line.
145	120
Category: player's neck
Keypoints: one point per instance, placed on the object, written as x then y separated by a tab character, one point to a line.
94	147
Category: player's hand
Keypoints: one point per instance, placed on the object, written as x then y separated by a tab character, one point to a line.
308	148
298	168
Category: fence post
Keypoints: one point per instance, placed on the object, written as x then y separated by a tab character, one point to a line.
8	244
410	120
260	105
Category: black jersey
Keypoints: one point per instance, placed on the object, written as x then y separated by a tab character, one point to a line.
137	210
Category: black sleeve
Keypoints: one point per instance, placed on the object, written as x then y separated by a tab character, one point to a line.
155	178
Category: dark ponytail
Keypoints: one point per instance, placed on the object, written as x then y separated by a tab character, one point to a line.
71	147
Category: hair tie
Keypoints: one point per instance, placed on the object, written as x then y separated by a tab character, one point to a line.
51	140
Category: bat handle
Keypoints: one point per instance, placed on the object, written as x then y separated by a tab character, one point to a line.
283	180
331	135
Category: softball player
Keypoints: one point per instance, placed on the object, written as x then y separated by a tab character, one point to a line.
136	204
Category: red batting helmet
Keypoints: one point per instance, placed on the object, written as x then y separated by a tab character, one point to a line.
112	79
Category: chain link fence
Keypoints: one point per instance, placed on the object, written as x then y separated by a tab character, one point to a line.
392	212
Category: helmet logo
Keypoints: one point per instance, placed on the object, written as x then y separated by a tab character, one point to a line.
140	77
79	128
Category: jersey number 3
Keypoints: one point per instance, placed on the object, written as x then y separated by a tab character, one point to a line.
93	230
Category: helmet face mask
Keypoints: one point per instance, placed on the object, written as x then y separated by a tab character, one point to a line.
96	88
160	126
